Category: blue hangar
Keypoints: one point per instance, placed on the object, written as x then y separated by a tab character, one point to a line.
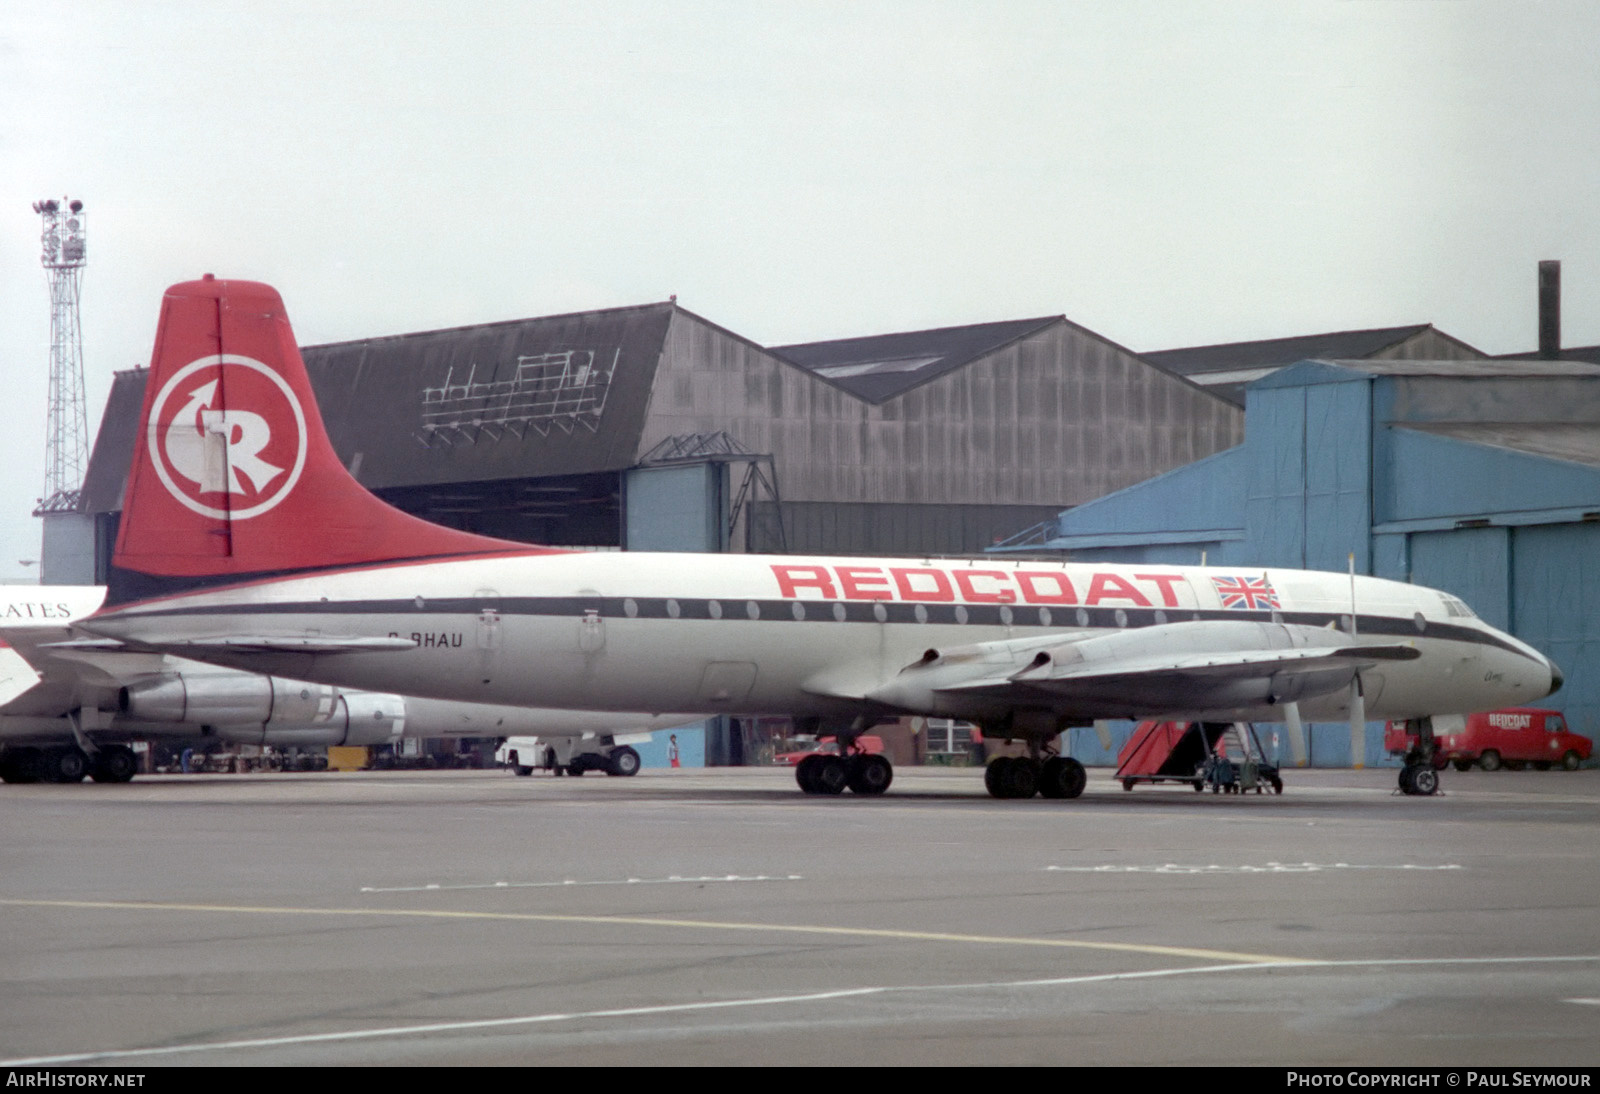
1479	477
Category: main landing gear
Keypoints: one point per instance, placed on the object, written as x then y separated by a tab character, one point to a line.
821	773
1024	776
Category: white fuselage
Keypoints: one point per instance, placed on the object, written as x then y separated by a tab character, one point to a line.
802	636
36	626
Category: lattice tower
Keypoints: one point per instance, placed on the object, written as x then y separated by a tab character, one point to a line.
64	256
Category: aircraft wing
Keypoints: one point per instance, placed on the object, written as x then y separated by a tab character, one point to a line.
199	648
16	675
1197	668
1048	674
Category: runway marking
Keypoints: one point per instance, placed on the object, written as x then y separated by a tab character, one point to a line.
1268	868
687	924
761	1001
570	883
1584	1002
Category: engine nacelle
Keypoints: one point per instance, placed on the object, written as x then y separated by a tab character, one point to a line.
358	718
217	699
245	708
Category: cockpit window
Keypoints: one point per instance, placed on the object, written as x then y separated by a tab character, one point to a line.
1456	608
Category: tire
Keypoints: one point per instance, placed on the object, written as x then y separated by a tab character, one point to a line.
66	765
20	765
869	775
115	764
831	775
624	763
1277	785
1022	779
1407	779
1570	761
805	773
1063	778
1199	786
994	776
1127	784
1425	781
1489	760
1461	765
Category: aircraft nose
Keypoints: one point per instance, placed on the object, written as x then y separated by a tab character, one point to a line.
1556	679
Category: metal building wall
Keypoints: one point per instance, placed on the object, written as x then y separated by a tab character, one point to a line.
1055	419
1336	461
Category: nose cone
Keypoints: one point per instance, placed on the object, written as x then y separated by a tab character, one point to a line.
1556	679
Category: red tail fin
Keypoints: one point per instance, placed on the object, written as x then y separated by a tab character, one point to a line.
233	475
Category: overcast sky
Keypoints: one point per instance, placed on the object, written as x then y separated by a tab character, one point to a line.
1167	173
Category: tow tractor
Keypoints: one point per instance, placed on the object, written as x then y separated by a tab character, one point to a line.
572	755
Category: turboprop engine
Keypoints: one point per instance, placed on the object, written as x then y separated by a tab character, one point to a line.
266	710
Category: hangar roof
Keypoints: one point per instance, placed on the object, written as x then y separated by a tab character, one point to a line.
879	367
1576	353
1486	368
1575	442
1281	351
1226	369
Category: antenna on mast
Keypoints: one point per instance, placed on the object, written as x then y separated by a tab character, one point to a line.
64	254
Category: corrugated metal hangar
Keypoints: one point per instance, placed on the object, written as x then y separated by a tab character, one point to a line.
652	428
1478	477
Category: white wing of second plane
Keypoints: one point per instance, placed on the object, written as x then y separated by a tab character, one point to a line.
16	675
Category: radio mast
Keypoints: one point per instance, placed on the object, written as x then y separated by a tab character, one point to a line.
64	255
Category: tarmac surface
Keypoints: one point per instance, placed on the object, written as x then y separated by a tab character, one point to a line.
721	917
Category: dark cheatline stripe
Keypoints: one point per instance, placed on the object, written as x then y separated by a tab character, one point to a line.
1032	616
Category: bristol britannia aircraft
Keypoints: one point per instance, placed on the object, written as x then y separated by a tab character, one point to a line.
244	542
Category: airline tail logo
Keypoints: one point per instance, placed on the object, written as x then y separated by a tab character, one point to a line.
227	437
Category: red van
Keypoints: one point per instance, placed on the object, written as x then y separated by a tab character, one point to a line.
1510	738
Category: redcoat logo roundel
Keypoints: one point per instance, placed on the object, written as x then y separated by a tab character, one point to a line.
227	437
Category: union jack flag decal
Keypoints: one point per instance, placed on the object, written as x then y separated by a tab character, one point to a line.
1246	592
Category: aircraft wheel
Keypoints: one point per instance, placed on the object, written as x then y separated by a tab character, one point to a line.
805	773
1490	760
115	764
994	776
1425	781
66	765
20	765
869	774
830	775
1461	765
1064	777
624	762
1407	774
1022	779
1570	761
